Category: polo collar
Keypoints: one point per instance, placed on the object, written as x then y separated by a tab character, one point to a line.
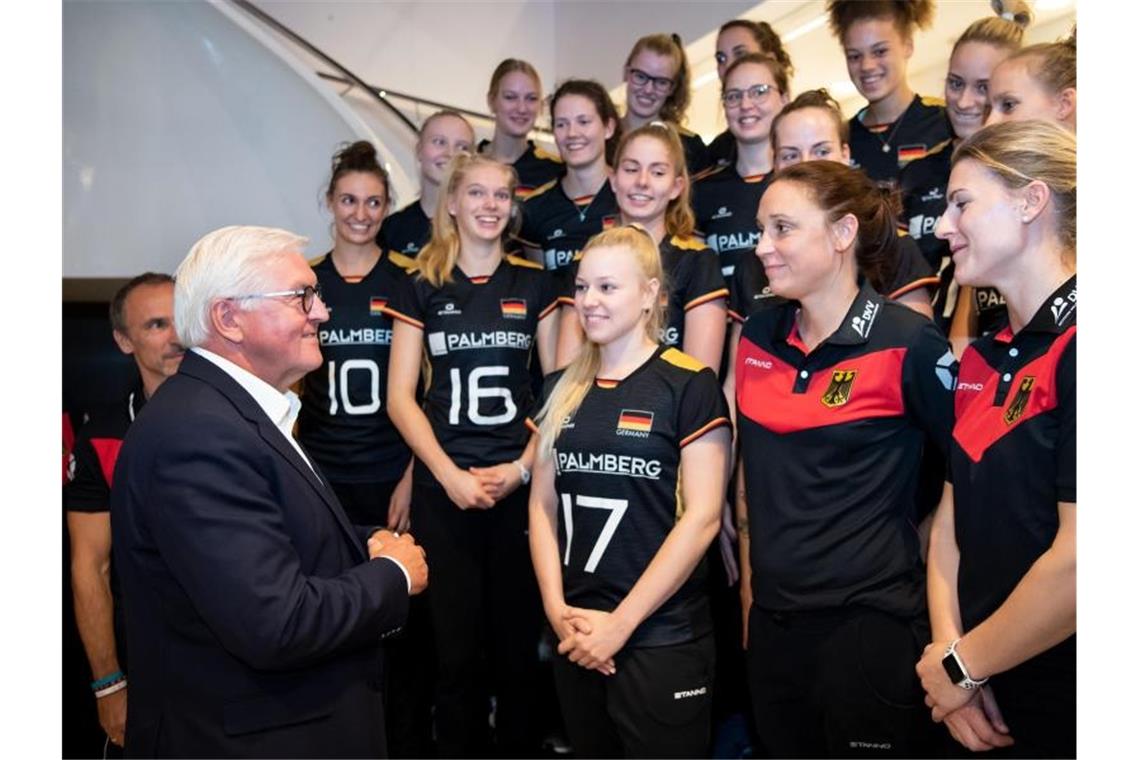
1055	316
856	326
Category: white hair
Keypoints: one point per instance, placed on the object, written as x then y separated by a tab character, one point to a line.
228	262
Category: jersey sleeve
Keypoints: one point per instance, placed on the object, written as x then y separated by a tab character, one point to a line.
706	283
88	491
930	375
550	290
911	272
548	384
696	153
407	302
703	407
528	233
1067	429
738	293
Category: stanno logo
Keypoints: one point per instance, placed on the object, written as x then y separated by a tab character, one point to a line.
933	194
976	387
862	324
449	310
567	423
722	213
1020	401
838	390
856	744
556	234
687	693
761	363
635	423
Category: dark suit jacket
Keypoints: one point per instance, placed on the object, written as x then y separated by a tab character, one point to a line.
254	616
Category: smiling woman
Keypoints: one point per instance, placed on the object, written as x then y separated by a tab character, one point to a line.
515	97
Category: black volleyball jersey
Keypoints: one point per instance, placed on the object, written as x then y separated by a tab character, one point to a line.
882	150
831	442
618	480
725	205
922	185
559	225
1014	454
722	150
696	152
343	423
406	231
478	333
692	272
749	291
535	167
96	451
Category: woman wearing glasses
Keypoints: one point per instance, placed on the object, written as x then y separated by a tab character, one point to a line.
657	88
477	315
736	39
343	422
514	97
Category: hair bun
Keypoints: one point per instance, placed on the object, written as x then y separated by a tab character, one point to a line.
1017	11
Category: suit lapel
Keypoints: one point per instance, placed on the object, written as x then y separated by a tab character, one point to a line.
206	371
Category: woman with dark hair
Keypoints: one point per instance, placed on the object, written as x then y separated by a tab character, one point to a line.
442	135
1001	575
657	88
837	389
736	39
514	98
476	315
897	126
560	216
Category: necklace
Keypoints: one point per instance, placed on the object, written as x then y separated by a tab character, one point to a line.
898	122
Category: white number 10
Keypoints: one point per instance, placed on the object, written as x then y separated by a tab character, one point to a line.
617	509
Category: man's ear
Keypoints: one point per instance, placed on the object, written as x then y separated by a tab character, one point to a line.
123	342
226	319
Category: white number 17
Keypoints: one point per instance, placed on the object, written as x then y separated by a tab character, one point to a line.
617	509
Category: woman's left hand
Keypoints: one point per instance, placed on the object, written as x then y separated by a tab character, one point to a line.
942	696
499	481
400	504
598	637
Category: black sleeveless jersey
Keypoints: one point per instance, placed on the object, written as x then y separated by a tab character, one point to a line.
618	480
725	205
692	273
343	423
406	231
559	225
882	150
535	167
478	334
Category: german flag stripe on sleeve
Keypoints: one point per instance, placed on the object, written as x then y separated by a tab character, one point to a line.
711	425
551	307
736	316
921	282
719	293
531	425
402	317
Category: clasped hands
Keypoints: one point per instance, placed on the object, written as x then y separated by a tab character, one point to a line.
971	716
591	638
482	487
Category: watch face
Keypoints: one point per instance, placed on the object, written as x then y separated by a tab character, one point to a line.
953	669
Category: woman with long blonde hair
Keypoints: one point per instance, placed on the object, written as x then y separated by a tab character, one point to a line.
477	315
633	442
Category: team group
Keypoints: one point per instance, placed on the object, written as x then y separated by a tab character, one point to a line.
781	428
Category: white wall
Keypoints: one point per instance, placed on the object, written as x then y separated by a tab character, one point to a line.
175	122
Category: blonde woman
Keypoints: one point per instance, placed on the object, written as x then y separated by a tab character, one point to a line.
629	480
477	315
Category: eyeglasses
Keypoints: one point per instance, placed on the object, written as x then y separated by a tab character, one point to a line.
755	93
639	78
307	294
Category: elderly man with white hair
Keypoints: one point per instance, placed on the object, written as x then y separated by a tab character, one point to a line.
254	608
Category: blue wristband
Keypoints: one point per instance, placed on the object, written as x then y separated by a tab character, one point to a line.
107	680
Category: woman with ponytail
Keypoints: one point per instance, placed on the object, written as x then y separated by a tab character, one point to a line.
1002	570
1037	82
619	560
837	389
475	315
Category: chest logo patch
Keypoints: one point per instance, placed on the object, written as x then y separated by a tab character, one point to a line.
838	390
634	422
1016	407
513	308
376	306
